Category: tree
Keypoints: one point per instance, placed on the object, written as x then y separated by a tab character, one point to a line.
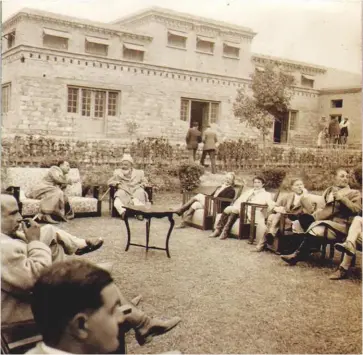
272	90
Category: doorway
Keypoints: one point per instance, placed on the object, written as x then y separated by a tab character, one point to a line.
199	112
281	127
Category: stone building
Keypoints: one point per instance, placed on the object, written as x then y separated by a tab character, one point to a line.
151	74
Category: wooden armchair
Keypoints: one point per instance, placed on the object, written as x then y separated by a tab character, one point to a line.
113	189
248	228
220	203
18	338
202	218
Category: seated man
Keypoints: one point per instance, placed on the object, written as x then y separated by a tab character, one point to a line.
288	204
341	202
130	185
349	247
26	249
54	202
257	195
197	202
79	310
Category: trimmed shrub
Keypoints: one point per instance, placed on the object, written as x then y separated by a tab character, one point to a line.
189	176
273	177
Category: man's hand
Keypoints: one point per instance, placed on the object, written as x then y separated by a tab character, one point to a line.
337	195
279	209
32	233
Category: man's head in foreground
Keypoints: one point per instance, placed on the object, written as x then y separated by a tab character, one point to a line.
76	307
10	215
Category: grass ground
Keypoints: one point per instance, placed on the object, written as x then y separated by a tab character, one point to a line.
231	299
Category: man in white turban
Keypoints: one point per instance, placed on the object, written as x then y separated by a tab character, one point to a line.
130	185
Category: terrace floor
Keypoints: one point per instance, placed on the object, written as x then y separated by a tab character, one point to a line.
231	299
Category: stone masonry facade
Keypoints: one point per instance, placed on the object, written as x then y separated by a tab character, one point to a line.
149	92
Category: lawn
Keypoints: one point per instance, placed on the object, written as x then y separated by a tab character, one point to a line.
231	299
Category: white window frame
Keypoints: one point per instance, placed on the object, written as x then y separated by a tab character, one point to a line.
206	40
78	112
231	45
5	88
295	126
135	48
98	41
175	33
209	109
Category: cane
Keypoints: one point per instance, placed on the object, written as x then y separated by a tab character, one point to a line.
105	194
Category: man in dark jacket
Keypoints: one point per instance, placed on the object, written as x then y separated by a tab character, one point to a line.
192	139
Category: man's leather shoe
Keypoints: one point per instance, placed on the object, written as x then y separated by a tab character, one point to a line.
291	259
339	274
92	245
48	219
269	238
154	327
346	247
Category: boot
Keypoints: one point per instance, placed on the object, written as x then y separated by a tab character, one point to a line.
228	226
146	328
300	253
220	225
185	207
68	211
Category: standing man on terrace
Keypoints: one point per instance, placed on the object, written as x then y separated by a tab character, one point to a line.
193	138
209	140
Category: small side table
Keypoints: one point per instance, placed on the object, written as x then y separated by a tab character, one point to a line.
148	213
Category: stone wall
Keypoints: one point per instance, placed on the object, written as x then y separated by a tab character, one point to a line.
149	95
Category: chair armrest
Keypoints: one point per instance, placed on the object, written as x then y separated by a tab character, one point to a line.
149	190
217	203
96	191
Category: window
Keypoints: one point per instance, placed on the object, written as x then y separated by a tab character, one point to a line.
133	52
112	103
86	102
98	46
72	100
214	112
205	44
55	39
231	50
184	110
11	39
307	81
336	103
5	97
89	102
177	39
201	111
293	120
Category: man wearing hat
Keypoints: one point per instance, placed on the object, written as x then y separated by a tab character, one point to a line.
130	185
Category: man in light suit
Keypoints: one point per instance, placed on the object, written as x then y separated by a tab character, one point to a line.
130	185
340	202
209	140
192	139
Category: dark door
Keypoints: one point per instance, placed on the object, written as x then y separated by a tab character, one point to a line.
199	113
281	128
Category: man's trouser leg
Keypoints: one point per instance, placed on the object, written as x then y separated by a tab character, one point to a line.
260	230
60	242
354	237
122	198
204	154
195	154
146	327
191	154
273	221
212	156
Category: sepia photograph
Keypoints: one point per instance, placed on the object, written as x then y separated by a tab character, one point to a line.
181	177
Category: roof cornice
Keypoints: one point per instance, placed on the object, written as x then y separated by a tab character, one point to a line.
288	64
46	17
186	20
341	90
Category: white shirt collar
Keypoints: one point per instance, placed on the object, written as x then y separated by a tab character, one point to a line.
49	350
